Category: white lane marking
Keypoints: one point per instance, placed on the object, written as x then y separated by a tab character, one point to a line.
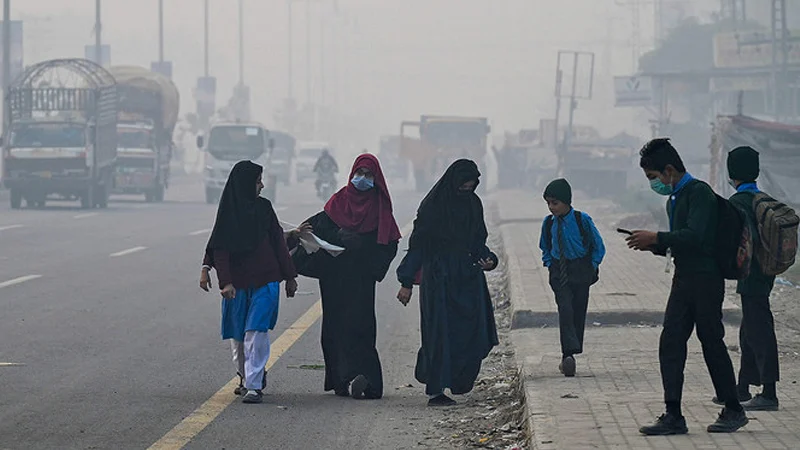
18	280
10	364
10	227
84	216
127	252
199	232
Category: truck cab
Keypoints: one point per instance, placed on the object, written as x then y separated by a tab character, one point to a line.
137	154
229	143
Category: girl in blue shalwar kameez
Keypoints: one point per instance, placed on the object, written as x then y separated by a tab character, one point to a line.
248	250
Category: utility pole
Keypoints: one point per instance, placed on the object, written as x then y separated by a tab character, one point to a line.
98	35
161	32
573	96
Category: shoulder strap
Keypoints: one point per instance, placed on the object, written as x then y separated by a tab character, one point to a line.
588	242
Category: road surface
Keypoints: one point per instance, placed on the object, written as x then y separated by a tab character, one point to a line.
107	342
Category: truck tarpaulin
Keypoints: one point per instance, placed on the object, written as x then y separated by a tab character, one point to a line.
778	145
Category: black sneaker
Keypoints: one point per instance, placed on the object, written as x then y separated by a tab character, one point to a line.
743	397
666	425
253	396
441	400
358	387
728	421
569	366
240	390
761	403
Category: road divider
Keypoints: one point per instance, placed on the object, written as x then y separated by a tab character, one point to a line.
200	418
127	252
18	280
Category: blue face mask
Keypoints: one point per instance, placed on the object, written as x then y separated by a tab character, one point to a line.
362	183
660	188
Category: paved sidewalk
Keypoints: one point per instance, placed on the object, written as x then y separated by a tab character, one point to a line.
618	385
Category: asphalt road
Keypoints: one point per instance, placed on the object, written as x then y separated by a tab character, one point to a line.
106	342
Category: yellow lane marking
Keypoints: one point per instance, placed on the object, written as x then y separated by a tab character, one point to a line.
198	420
202	417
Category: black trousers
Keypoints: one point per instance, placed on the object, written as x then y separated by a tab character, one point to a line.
695	301
757	341
572	301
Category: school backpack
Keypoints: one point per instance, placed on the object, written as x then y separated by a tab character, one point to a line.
777	233
588	242
733	247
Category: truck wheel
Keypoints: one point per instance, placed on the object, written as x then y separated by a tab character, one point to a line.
16	199
87	199
158	195
102	200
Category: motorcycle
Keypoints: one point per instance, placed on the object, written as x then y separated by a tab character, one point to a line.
326	188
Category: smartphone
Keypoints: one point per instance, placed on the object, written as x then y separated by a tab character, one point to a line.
624	231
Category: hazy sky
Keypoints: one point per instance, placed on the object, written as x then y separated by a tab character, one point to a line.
394	59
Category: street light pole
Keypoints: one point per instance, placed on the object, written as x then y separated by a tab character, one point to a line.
205	41
6	44
289	50
98	35
241	42
6	58
308	51
161	32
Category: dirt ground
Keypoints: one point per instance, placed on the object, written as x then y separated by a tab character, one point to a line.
493	415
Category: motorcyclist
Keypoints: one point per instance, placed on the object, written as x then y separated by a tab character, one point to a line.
326	169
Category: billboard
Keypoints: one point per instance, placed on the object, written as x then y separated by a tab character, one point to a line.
634	90
750	49
206	96
164	68
17	63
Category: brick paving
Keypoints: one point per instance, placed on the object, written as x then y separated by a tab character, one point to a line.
618	385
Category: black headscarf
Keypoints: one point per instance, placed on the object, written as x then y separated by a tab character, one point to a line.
242	217
449	218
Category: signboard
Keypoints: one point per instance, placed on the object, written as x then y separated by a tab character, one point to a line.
742	83
164	68
16	50
749	49
547	133
631	91
206	96
105	53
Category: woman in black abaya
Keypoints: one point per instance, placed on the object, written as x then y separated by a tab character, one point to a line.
448	246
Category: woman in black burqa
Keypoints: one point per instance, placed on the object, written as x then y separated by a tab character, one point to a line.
448	246
248	250
359	218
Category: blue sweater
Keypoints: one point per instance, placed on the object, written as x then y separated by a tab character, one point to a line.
572	239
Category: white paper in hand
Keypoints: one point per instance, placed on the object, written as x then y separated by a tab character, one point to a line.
311	242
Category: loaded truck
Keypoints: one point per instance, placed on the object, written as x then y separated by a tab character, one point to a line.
442	140
148	112
61	136
229	143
